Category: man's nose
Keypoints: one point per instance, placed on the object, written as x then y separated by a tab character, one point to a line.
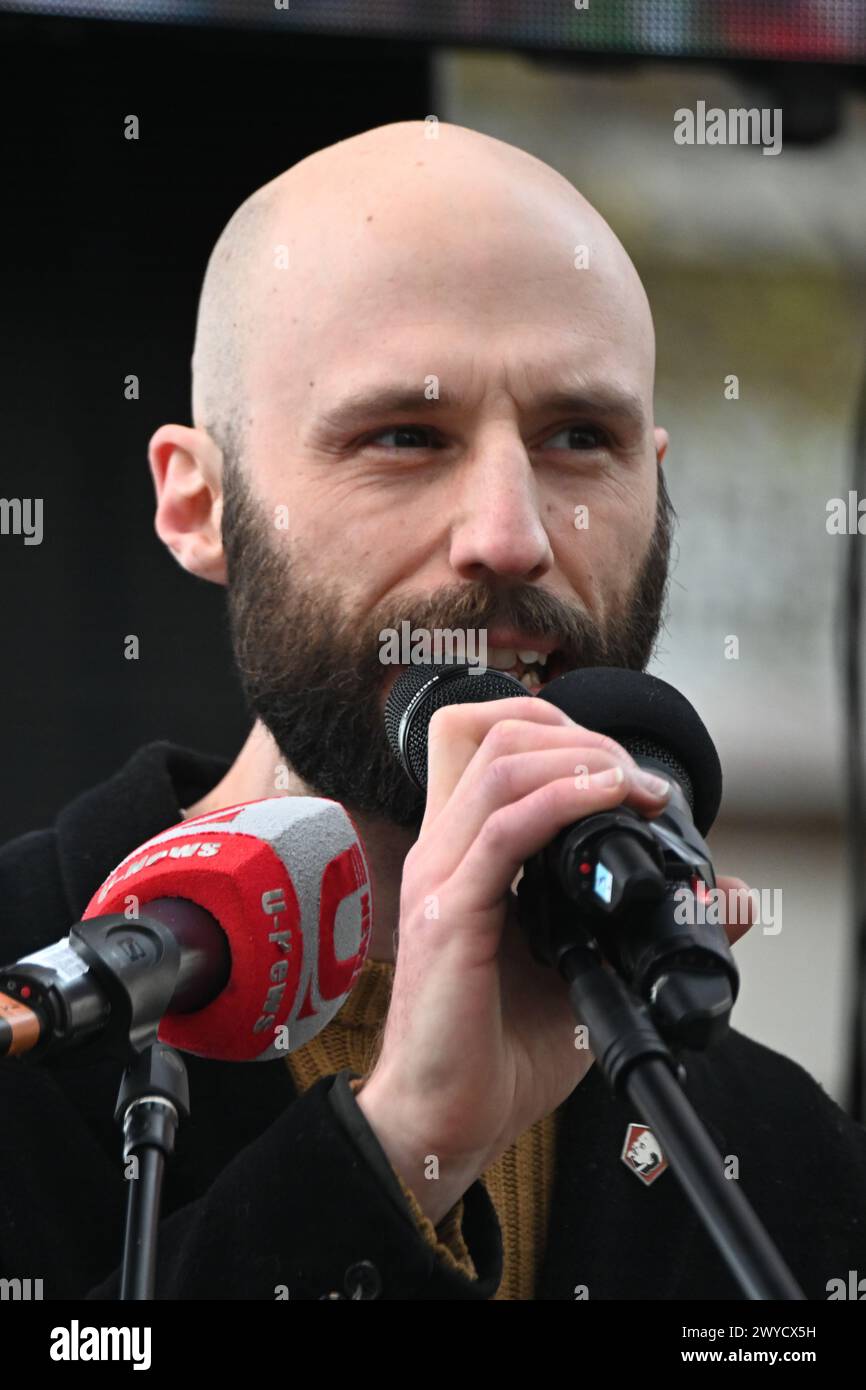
497	528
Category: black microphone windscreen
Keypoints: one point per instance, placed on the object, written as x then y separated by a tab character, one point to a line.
648	717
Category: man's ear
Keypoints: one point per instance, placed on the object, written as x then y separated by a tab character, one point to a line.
662	441
186	466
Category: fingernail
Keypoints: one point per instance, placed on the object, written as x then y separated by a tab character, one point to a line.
611	777
657	785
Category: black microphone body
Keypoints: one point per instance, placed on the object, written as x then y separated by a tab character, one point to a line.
619	879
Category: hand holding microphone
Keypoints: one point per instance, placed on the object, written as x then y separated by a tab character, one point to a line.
479	1039
478	1043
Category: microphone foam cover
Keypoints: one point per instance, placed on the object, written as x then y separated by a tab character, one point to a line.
647	716
286	879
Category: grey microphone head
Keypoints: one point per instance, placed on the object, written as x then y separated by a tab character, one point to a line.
421	690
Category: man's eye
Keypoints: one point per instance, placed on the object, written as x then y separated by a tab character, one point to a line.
578	437
406	437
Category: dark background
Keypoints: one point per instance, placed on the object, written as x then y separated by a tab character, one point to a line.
104	246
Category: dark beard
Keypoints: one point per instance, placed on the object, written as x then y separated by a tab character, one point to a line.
310	670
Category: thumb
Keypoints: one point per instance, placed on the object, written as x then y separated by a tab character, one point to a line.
739	906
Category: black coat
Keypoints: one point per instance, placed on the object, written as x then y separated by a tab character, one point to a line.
271	1189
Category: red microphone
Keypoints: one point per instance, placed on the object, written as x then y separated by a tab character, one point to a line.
271	906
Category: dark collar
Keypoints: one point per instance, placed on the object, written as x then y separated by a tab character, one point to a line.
100	826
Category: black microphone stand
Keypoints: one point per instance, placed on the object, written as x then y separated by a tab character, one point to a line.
637	1063
598	905
130	971
112	998
139	964
154	1096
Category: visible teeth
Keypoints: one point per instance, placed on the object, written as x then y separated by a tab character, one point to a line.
529	680
530	658
501	658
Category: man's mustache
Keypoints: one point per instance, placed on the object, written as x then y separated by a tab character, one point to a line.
534	612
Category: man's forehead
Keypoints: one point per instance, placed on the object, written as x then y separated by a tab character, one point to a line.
453	362
343	292
429	252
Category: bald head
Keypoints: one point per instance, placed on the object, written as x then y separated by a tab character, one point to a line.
385	234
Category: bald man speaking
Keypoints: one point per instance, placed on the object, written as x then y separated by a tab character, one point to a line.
405	382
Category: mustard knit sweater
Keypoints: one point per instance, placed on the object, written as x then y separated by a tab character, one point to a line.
519	1182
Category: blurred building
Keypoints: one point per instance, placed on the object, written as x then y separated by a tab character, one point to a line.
754	266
